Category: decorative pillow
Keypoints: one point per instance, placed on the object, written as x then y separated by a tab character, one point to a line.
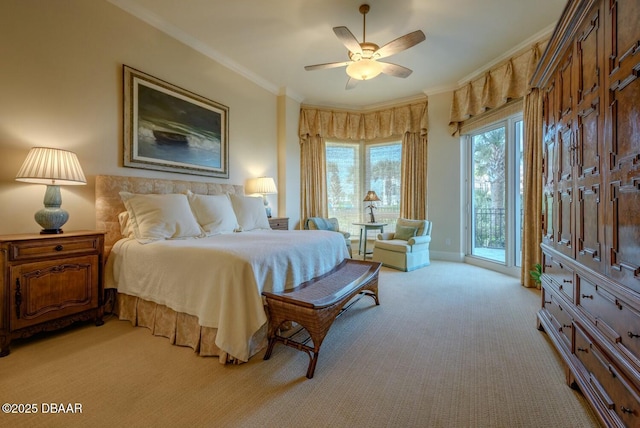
214	213
156	217
405	232
320	223
419	224
250	212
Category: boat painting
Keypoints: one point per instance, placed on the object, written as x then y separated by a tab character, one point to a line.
170	129
168	137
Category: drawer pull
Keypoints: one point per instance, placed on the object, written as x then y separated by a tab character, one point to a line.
566	325
626	410
548	266
632	335
585	350
547	303
567	281
587	296
59	248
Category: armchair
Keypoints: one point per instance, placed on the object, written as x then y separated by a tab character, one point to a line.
407	248
320	223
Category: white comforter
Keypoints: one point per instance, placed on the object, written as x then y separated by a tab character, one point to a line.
220	279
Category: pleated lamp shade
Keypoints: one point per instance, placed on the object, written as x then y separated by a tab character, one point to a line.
45	165
264	185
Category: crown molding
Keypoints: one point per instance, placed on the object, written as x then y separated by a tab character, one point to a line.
538	37
156	22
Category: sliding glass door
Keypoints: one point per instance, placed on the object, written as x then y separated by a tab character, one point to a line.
495	192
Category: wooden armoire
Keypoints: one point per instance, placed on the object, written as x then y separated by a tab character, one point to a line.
589	78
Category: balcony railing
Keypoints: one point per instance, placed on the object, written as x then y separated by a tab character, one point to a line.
489	230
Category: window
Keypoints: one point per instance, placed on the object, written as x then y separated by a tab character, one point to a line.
355	168
495	192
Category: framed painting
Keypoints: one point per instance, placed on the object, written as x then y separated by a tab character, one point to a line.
167	128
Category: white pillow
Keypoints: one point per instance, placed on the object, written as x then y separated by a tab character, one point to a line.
155	217
214	213
125	225
250	212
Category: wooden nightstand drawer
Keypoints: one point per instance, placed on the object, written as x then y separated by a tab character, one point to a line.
59	247
279	223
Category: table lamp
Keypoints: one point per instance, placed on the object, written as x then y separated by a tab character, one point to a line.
265	186
371	198
53	167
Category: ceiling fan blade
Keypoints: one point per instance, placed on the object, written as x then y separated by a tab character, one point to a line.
327	65
395	69
351	83
348	39
400	44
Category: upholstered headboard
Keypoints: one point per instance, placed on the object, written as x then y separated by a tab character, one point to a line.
109	204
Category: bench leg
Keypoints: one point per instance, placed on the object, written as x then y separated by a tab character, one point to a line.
312	364
272	342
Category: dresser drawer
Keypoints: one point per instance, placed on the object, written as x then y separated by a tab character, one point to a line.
560	275
613	388
612	316
561	319
279	223
59	247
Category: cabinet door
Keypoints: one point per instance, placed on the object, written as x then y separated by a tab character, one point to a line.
549	167
52	289
623	144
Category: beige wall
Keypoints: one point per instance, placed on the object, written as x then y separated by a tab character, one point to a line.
61	86
444	198
289	159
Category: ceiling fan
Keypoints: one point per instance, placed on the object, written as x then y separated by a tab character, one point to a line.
364	64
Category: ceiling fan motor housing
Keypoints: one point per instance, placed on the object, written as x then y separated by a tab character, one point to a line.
368	49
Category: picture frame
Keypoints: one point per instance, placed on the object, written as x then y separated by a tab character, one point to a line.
167	128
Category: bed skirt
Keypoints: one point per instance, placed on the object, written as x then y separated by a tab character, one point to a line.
181	329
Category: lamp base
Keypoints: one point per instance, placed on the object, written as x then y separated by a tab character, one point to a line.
50	231
371	216
51	218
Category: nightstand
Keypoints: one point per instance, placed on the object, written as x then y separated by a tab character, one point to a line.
49	282
281	223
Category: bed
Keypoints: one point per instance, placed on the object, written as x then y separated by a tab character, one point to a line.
202	288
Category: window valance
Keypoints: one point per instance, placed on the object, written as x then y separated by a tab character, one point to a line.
501	84
350	125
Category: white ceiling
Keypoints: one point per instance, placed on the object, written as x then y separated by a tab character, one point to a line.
270	41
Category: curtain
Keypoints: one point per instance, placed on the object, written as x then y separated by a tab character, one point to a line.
508	81
532	221
317	125
313	186
413	183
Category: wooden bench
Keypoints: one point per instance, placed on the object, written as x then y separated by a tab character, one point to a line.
315	304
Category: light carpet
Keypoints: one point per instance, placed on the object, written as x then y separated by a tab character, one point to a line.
451	345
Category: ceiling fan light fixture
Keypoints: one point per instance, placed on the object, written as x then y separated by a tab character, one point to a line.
364	69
